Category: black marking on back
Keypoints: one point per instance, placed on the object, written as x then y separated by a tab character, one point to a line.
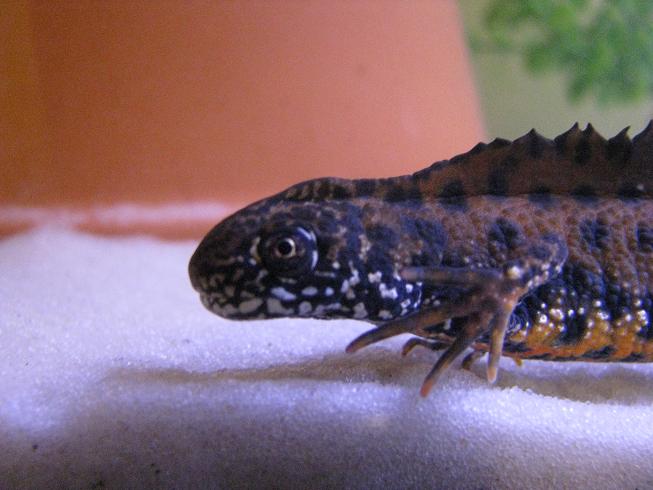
536	144
365	187
453	195
585	194
407	196
541	196
576	163
340	192
619	148
497	183
583	150
560	141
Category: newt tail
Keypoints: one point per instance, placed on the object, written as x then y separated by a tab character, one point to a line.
533	249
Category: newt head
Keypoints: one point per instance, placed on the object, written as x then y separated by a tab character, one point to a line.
317	259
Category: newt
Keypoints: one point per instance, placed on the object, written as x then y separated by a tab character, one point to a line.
532	249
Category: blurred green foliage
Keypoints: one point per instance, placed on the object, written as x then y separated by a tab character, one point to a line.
604	46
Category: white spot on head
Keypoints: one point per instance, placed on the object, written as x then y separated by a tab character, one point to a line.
250	305
305	308
321	309
328	291
226	310
360	311
355	278
374	277
385	315
283	294
330	275
253	250
309	291
388	292
275	307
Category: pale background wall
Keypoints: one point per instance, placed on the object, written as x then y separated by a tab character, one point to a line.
113	101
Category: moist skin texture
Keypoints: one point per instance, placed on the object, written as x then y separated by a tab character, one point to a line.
534	249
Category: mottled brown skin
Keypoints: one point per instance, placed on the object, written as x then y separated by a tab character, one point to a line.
535	249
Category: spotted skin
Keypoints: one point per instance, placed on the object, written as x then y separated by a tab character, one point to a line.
533	249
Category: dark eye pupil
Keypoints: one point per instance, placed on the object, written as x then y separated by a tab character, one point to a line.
285	247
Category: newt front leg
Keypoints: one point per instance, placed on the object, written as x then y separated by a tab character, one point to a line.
485	308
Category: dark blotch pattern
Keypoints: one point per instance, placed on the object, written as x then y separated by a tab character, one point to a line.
453	195
535	145
497	184
619	148
406	195
365	187
505	234
583	151
595	233
431	233
383	235
560	142
585	194
575	329
644	238
605	353
340	192
510	163
541	197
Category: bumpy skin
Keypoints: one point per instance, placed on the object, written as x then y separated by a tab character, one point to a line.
532	249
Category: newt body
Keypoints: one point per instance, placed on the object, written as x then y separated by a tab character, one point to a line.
534	248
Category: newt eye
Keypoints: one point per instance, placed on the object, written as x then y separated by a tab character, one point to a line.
285	248
289	252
